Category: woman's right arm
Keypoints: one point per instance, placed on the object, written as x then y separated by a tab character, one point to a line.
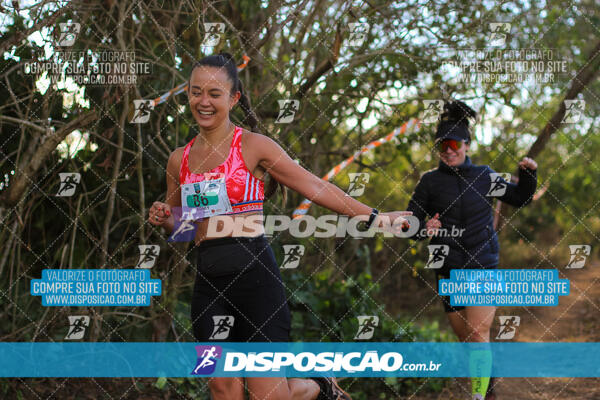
418	204
161	214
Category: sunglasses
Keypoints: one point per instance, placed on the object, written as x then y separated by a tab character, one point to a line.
443	145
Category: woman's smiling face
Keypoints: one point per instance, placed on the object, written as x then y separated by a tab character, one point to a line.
210	96
454	158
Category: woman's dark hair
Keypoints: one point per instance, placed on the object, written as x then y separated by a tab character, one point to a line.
454	121
227	62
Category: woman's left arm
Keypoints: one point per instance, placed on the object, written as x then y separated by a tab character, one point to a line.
282	168
521	194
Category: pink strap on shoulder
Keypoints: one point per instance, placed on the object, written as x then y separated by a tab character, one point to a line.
237	140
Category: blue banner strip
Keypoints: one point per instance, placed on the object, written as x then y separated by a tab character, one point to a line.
299	359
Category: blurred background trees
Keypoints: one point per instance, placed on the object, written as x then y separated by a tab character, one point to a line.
349	95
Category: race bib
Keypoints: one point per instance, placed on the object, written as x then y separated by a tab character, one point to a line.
209	196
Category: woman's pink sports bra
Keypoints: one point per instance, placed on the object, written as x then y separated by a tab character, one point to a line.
245	191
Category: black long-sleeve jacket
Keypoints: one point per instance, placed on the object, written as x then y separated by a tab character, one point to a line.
460	196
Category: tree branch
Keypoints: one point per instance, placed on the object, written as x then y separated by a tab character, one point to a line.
583	77
25	175
325	66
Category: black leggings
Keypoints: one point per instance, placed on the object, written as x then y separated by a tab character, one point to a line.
238	293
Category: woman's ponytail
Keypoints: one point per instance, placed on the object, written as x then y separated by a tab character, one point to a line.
251	120
249	116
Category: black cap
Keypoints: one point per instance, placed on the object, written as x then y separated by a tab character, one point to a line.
454	122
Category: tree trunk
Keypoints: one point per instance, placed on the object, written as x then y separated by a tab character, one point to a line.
26	175
579	82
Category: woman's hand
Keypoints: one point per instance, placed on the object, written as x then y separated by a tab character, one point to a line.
433	225
393	220
159	213
528	163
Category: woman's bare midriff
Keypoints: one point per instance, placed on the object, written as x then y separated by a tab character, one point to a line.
241	225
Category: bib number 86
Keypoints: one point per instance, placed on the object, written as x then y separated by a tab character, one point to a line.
201	200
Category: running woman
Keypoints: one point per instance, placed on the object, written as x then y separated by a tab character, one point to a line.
224	167
454	196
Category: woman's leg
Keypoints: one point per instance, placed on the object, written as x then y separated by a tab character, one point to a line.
479	322
205	304
264	304
458	322
267	319
226	388
303	389
282	389
258	302
456	314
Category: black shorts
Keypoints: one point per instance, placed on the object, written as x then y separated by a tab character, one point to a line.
241	298
444	273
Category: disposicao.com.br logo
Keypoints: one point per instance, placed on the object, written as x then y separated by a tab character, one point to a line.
332	362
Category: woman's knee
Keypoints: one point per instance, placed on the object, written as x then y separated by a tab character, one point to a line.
227	388
303	388
479	335
269	389
479	323
479	331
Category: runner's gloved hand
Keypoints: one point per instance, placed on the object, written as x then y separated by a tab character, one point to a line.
528	163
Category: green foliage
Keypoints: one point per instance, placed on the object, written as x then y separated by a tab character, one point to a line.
325	309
